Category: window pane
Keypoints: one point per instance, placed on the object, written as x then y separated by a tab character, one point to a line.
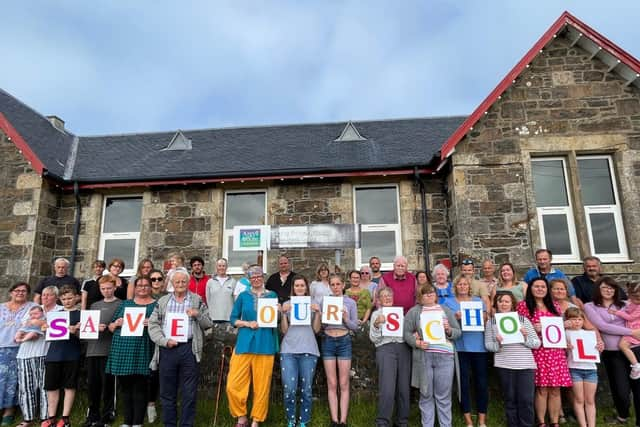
244	209
125	249
556	234
379	243
236	258
122	215
595	182
549	183
603	230
376	205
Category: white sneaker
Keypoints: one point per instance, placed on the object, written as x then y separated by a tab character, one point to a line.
635	371
151	413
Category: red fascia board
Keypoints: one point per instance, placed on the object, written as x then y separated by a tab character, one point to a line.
194	181
21	144
565	18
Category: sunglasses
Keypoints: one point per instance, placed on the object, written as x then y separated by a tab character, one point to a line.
365	272
467	262
156	279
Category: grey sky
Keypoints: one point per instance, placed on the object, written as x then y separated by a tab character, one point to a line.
113	67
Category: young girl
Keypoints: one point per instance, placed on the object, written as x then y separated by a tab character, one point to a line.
336	354
514	362
298	357
583	374
631	313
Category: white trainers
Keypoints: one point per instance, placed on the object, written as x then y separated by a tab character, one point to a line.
635	371
151	413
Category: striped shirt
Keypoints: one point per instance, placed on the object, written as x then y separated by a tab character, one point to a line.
512	356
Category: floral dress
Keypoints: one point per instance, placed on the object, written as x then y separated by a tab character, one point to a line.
552	368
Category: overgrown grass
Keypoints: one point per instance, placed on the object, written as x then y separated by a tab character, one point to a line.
362	412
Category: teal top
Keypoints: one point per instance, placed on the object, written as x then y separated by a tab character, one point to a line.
253	341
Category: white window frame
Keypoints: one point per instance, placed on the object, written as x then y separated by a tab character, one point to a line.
228	233
566	211
396	228
623	255
130	270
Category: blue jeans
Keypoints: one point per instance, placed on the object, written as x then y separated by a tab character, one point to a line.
474	365
297	366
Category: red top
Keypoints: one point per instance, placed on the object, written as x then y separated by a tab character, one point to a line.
199	286
404	290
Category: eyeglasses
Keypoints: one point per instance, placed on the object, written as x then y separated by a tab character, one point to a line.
156	279
20	291
365	272
607	288
116	265
467	261
143	286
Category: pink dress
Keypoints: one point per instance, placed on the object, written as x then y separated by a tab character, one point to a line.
552	368
631	313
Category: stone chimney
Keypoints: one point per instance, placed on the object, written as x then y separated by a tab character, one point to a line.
57	122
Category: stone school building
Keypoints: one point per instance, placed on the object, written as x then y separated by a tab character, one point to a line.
550	158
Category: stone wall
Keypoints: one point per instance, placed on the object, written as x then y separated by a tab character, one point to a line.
564	103
190	220
27	213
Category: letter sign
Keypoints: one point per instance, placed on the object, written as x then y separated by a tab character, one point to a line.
267	312
332	310
471	316
176	327
133	321
432	327
508	326
58	329
393	321
89	324
553	335
583	345
300	312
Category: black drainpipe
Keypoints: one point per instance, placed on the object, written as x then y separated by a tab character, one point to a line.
425	229
76	228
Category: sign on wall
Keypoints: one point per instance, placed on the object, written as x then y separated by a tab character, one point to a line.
250	237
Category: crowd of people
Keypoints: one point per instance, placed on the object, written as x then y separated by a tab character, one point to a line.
37	372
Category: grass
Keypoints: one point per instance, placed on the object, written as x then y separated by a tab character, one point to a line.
362	412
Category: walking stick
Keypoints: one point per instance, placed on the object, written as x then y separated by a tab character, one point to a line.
227	351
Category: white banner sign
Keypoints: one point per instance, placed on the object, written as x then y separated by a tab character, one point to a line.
176	326
133	322
300	311
332	310
432	327
583	346
89	324
268	312
393	321
471	316
553	335
508	325
58	326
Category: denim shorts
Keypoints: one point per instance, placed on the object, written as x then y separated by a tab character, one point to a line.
336	347
584	375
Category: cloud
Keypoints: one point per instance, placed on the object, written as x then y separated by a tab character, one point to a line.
116	67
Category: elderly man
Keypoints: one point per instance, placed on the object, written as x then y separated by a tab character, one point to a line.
59	279
402	283
179	354
281	282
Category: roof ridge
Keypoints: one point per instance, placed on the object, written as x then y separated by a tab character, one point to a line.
281	125
36	112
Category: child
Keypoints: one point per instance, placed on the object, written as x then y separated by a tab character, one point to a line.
176	260
631	313
29	331
61	364
102	385
583	374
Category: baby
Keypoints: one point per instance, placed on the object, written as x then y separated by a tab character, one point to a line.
29	331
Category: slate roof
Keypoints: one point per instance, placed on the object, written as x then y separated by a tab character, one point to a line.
263	151
51	145
230	152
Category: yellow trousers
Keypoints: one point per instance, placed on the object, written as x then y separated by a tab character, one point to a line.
246	370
